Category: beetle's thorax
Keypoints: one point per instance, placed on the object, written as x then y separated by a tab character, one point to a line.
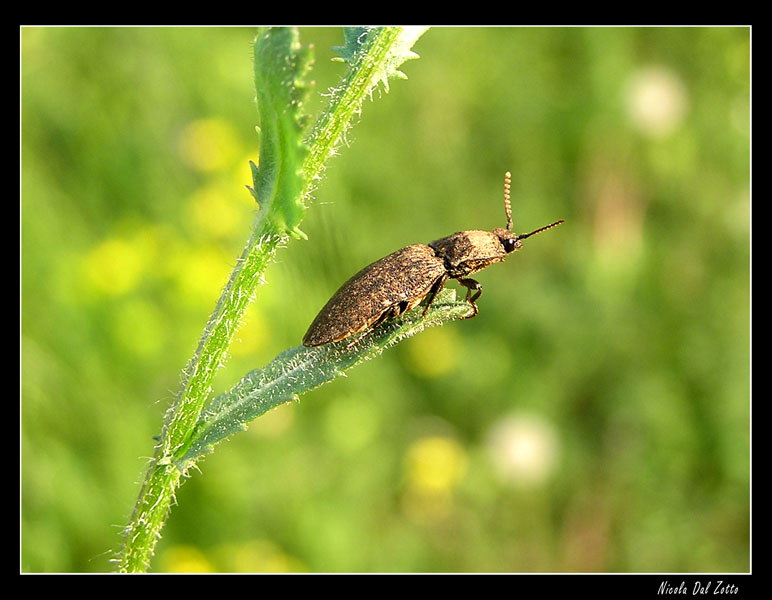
467	252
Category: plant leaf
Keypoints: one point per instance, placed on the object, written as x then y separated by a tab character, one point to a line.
353	40
298	370
281	64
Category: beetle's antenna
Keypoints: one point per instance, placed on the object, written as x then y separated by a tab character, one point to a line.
507	204
550	226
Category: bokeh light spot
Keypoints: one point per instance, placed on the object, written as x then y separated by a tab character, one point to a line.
253	334
523	449
209	144
185	559
433	353
260	556
656	101
433	467
205	271
217	213
113	267
435	464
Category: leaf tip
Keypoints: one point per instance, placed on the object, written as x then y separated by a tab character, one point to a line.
298	234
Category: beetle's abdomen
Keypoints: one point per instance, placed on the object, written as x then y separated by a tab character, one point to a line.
401	279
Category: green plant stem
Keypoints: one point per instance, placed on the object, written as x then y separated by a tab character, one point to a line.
385	49
162	477
378	59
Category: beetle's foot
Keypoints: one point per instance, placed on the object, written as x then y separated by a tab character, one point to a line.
472	286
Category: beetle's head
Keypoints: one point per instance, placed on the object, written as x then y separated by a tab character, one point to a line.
513	241
510	241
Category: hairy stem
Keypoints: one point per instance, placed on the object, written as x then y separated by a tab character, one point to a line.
282	181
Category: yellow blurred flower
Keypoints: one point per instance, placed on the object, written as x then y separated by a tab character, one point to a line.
260	556
209	144
252	335
434	352
433	467
217	212
185	559
202	274
113	267
435	464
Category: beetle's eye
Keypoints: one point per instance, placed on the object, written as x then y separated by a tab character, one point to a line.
509	244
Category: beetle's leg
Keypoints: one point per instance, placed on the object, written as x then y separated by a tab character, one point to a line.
390	313
433	291
398	309
386	314
471	284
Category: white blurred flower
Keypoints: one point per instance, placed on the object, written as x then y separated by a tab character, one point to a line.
523	449
656	101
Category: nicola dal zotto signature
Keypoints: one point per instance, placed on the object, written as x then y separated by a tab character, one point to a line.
698	588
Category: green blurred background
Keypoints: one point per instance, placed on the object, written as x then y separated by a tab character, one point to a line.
594	416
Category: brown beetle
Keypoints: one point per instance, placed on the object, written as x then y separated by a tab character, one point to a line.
402	280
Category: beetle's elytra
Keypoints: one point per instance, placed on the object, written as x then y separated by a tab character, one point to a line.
403	279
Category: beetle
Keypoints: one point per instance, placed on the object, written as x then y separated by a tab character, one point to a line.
400	281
